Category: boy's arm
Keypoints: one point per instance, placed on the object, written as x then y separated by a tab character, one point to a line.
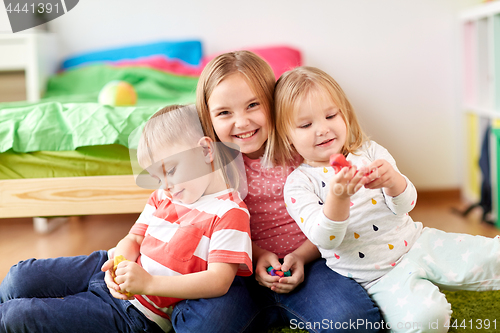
128	247
228	251
213	282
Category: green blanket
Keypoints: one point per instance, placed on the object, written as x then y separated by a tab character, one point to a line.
69	117
85	161
153	87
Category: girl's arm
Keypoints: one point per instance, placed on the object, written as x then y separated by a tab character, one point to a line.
399	192
324	223
306	253
337	205
213	282
386	177
295	262
262	259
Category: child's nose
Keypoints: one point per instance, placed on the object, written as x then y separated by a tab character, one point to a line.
242	121
168	184
322	129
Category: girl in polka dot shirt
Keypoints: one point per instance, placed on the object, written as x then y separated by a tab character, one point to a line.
358	217
235	104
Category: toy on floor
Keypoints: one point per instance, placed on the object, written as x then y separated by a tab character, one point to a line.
118	260
274	272
118	93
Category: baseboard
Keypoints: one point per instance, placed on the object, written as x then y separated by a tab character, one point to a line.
453	194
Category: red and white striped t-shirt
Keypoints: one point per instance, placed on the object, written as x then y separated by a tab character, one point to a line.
181	239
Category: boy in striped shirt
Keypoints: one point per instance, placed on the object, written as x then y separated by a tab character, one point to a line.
189	242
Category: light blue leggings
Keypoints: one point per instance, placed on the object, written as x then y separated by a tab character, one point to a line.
409	295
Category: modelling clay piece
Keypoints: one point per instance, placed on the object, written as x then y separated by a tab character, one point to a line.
338	161
273	272
118	260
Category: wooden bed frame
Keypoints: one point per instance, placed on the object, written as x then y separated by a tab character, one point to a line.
69	196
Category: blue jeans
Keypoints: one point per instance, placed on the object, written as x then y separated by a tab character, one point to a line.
324	302
66	294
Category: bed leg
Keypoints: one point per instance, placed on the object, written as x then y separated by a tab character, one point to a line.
44	225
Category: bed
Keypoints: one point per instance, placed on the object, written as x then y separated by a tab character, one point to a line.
68	155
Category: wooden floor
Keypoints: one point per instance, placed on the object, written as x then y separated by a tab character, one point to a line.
82	235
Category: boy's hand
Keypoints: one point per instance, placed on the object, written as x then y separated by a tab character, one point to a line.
287	284
110	282
383	175
132	278
348	181
265	260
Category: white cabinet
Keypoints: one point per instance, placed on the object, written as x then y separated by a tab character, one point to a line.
33	53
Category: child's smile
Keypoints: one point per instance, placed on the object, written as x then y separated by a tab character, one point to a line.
326	143
238	116
246	135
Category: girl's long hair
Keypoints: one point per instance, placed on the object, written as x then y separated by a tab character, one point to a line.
261	80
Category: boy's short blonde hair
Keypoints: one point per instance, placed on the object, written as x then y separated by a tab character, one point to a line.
260	78
295	85
180	124
174	124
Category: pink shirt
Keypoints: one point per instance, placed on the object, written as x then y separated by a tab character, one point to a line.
271	227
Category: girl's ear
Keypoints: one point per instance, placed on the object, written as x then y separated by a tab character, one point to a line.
207	144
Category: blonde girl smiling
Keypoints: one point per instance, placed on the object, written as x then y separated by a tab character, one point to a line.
358	217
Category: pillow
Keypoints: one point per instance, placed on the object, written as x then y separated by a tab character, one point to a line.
189	52
280	58
162	63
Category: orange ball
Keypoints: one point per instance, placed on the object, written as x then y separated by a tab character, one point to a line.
118	93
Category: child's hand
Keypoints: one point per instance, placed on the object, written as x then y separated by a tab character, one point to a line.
114	288
287	284
265	260
348	181
132	278
383	175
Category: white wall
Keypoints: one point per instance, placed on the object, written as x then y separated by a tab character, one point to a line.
396	59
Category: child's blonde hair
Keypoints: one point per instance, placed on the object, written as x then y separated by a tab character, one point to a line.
261	80
171	125
295	85
180	124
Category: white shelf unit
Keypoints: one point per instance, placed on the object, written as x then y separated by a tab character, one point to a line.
33	53
480	27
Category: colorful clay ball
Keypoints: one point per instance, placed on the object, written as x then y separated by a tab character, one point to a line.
273	272
118	93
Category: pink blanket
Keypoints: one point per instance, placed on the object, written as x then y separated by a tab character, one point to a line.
280	58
